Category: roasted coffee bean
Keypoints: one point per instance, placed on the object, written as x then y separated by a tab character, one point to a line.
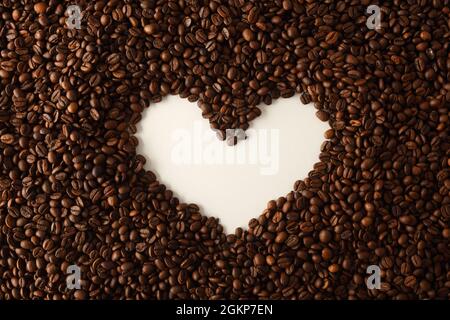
7	139
75	192
40	7
325	236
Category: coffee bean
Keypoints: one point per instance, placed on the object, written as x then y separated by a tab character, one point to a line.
333	268
410	281
237	284
322	115
73	107
80	295
196	226
367	221
126	267
76	192
40	7
332	37
281	237
446	233
7	138
425	36
248	35
151	28
325	236
408	220
221	264
270	260
327	254
258	260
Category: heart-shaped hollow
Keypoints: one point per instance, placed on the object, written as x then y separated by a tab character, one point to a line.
230	183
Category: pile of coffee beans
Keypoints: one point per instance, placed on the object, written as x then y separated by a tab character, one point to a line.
74	192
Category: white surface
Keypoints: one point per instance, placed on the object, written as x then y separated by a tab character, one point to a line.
231	183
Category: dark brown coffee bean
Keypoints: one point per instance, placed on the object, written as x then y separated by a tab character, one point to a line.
74	190
258	260
325	236
248	35
7	138
40	7
332	37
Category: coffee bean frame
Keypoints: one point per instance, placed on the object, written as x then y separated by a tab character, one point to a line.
74	192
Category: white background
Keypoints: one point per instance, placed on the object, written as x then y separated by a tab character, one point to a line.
234	192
